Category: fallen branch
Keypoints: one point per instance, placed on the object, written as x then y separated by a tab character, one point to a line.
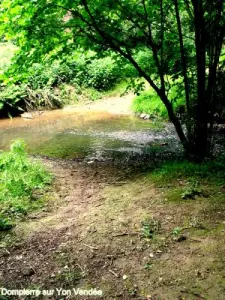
125	233
91	247
117	276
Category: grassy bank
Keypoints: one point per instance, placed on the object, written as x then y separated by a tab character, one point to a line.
21	183
184	181
148	102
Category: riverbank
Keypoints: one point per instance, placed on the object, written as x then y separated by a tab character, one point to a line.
114	105
119	216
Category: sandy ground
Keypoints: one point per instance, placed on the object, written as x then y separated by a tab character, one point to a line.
114	105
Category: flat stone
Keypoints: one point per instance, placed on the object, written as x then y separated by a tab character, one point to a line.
26	115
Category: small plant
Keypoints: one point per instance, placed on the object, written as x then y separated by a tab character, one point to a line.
148	266
149	228
196	222
176	231
192	191
5	224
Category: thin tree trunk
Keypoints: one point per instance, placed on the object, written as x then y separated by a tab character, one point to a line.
200	148
183	57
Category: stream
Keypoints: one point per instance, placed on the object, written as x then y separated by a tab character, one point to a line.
90	136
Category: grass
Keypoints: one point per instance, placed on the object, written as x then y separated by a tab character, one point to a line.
183	180
149	102
21	180
213	171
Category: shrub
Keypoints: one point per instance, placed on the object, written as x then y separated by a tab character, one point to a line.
49	75
34	87
102	74
20	177
6	53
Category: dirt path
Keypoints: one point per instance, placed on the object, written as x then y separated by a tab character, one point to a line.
89	236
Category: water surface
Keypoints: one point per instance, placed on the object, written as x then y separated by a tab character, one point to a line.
86	135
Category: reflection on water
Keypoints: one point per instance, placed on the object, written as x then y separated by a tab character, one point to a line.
93	136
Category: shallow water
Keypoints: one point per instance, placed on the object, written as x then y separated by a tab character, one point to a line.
87	135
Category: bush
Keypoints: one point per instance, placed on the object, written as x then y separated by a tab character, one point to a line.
35	87
19	179
7	51
12	99
102	74
49	75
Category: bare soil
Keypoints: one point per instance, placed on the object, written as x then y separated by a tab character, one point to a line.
90	235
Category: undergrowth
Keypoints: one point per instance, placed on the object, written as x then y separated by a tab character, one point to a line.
20	178
55	83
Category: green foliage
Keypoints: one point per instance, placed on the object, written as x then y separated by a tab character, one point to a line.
5	224
44	84
97	73
102	74
192	190
149	102
148	266
176	231
20	177
49	75
12	97
7	51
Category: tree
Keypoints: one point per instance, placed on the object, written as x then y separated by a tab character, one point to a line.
184	39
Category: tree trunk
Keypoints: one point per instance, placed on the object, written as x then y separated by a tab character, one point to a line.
199	138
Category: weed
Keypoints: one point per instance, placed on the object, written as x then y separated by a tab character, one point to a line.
70	276
148	266
149	228
196	222
192	190
176	231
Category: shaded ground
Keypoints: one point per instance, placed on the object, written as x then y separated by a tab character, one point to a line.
91	234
